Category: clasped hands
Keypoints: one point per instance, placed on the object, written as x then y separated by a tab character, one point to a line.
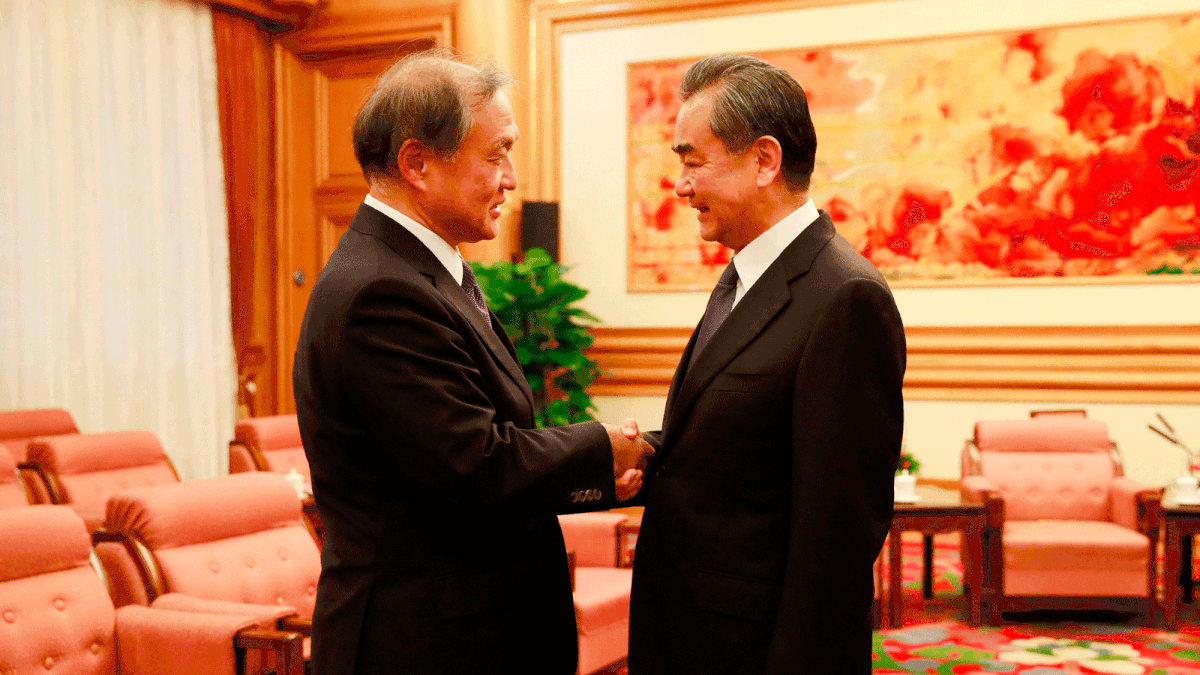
630	453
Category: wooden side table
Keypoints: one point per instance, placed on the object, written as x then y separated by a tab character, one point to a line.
1180	523
941	510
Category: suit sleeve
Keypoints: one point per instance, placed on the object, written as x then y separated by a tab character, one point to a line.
409	374
848	418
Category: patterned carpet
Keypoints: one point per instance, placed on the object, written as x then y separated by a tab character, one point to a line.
936	638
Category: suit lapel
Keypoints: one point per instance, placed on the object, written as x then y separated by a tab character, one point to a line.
407	246
770	294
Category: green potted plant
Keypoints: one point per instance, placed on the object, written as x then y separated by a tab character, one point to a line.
535	304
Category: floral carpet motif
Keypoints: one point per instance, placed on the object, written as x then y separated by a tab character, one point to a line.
936	638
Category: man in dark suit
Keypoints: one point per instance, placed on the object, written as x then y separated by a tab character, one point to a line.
771	492
442	552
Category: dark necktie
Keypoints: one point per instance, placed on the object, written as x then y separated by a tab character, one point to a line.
471	288
719	304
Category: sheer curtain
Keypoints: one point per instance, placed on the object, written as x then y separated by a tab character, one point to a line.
114	259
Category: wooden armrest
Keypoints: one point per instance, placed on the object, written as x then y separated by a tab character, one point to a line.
296	623
571	566
288	648
1149	510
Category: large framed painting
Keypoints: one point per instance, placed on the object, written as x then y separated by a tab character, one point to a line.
1062	155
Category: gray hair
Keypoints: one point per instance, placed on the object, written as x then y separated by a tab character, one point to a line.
429	97
757	99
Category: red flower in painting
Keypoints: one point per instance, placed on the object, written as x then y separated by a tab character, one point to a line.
1109	95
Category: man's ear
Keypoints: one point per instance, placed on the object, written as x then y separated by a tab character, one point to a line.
412	163
768	155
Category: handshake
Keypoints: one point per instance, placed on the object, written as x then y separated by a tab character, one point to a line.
631	453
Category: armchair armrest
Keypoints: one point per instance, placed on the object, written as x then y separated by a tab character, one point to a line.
1135	506
981	490
264	614
976	488
148	641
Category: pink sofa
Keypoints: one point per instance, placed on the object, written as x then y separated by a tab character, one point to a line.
601	588
56	616
82	470
1075	533
268	444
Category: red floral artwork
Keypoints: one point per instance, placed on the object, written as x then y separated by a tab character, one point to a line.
1067	153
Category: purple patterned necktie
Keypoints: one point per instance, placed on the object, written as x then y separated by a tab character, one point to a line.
719	305
471	288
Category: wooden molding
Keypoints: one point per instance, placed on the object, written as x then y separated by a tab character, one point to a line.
288	13
1078	364
379	32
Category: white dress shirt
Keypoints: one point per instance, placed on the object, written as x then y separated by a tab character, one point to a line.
758	255
446	254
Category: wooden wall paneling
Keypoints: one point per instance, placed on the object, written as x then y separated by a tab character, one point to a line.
1077	364
245	98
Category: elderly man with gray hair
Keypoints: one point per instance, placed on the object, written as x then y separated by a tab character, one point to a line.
442	552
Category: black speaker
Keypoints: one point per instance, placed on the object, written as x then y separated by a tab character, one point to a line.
539	227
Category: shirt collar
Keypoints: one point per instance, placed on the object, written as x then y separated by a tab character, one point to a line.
446	254
758	255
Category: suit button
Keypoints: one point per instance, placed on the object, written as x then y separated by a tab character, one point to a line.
660	472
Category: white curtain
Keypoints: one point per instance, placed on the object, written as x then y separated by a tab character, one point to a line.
114	257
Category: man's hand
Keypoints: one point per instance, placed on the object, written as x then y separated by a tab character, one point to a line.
630	455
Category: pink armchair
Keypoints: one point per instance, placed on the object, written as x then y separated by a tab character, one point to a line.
82	470
268	444
234	539
1072	532
57	616
601	588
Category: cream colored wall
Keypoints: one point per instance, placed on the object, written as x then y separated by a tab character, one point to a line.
593	71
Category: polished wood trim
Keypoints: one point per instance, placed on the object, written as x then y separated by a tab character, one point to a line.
148	568
289	13
287	646
1078	364
377	33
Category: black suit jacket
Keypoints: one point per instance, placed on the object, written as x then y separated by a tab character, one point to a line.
771	493
442	551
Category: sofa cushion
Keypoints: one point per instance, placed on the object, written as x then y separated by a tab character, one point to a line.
1053	433
1074	558
181	514
18	427
55	614
41	539
601	597
89	453
1057	485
